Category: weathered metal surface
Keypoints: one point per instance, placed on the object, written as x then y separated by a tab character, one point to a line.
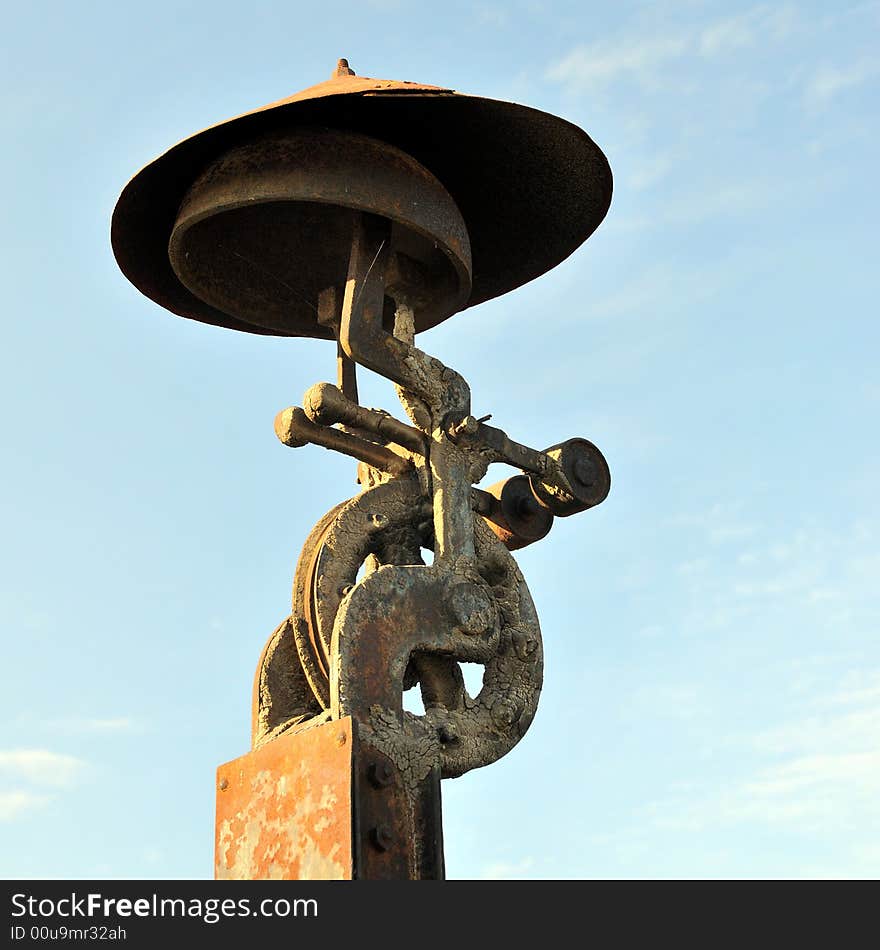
346	212
285	811
294	428
398	831
326	405
531	187
517	517
267	227
362	641
282	695
585	483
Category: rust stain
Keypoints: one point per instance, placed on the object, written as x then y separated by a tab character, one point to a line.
285	810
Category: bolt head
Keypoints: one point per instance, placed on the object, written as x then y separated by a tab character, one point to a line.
380	774
381	838
447	734
583	471
472	609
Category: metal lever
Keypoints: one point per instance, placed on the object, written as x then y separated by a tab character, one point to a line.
295	429
326	405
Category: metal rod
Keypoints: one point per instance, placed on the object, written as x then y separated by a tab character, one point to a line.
294	428
326	405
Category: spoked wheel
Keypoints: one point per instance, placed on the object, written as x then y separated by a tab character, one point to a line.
377	530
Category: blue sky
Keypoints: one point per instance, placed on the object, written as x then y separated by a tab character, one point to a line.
711	705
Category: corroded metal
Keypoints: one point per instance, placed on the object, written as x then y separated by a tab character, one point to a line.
531	187
515	514
285	811
346	213
582	478
324	804
267	226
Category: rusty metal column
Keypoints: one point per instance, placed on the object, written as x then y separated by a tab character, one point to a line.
345	213
322	805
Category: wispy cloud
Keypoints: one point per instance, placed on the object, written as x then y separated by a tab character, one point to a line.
492	15
102	726
829	81
41	766
815	577
508	870
720	523
14	804
651	171
638	298
745	29
33	767
589	68
643	57
825	780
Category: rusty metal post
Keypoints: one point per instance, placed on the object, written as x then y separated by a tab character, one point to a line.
323	805
345	213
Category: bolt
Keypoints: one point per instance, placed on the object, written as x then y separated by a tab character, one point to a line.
223	785
341	739
524	645
447	734
471	608
380	774
466	426
381	838
505	714
526	507
583	471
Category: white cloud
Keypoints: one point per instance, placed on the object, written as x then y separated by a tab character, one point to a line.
642	57
13	804
109	725
746	28
813	578
648	173
41	766
825	781
730	34
829	81
639	297
492	15
590	68
508	870
725	199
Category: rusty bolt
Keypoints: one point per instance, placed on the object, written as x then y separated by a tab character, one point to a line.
380	774
466	426
526	506
381	838
341	739
583	471
447	734
223	784
471	608
524	645
505	713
